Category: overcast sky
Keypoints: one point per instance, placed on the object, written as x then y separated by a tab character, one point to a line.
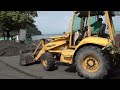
55	22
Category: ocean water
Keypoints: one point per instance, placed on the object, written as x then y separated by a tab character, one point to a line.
38	37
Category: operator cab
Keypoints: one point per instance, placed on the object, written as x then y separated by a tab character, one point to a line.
80	26
77	30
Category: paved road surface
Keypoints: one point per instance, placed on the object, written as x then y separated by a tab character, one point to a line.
10	69
36	70
8	73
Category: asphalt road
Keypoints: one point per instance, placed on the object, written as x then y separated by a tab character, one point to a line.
8	73
35	70
10	69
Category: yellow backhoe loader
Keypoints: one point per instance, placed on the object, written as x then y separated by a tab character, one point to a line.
93	54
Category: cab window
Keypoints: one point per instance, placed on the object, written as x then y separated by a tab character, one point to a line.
92	20
76	23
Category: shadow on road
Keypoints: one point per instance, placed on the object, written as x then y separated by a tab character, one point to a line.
54	68
69	68
38	62
115	74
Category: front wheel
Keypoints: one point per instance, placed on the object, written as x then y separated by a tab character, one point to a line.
47	61
92	63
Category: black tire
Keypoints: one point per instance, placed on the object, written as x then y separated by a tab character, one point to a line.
48	57
96	52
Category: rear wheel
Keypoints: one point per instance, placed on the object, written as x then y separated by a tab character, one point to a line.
47	61
92	63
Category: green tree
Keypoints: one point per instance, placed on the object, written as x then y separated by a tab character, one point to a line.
33	30
16	20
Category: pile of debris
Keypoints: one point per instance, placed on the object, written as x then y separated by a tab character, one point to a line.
12	48
117	40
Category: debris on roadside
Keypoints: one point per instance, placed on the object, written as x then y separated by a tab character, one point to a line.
12	48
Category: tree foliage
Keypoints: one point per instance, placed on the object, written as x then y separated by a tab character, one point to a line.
33	30
16	20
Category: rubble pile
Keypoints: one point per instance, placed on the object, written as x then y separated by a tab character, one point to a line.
117	40
11	48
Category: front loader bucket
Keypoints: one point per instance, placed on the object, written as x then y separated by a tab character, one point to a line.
26	57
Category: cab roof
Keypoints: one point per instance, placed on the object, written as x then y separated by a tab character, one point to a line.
94	13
